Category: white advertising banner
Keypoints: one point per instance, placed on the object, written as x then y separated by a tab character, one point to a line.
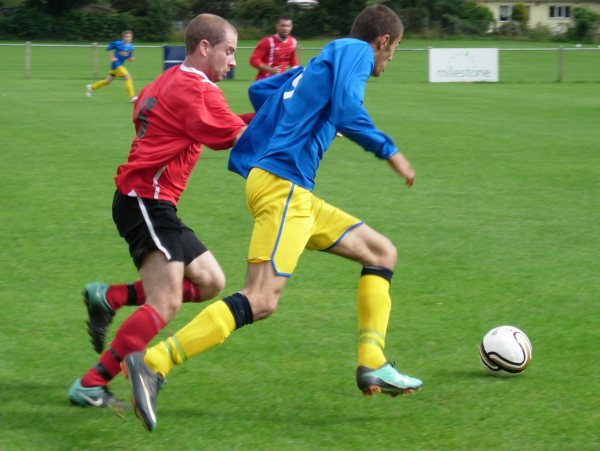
463	65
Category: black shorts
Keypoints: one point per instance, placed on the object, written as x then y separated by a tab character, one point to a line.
148	225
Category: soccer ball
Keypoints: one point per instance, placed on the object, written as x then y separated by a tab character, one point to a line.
505	351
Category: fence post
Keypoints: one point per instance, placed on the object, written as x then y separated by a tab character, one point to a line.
27	59
95	59
560	64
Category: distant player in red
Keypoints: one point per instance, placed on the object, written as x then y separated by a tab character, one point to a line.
175	116
275	54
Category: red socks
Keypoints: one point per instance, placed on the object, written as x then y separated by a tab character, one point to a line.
125	294
191	292
136	331
133	294
134	335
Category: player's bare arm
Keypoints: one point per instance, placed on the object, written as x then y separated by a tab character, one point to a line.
402	166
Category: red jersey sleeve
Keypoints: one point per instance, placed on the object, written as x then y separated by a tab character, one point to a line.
259	53
247	117
211	121
294	58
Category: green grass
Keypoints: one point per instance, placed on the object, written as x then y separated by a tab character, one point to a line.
502	227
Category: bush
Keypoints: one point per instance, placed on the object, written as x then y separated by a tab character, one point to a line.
520	15
415	20
476	19
28	23
257	10
509	29
156	25
310	23
33	24
587	24
540	33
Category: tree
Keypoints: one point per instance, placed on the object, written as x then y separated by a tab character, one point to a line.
55	7
586	23
135	7
520	15
221	8
340	14
476	19
257	10
156	25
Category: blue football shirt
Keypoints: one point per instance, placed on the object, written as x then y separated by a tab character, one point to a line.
299	112
121	51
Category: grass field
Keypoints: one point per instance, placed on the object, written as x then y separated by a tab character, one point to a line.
502	227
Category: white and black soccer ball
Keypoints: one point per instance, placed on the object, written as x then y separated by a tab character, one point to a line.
505	351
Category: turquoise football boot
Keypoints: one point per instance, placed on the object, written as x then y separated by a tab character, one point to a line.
99	312
385	379
99	396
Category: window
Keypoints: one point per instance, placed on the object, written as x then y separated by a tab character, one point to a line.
505	13
560	12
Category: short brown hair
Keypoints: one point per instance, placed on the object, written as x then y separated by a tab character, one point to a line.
205	27
375	21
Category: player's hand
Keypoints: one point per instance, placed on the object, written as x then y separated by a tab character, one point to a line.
402	166
409	177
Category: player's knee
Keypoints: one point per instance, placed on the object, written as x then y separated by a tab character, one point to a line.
173	307
167	308
213	284
390	255
383	254
263	304
210	280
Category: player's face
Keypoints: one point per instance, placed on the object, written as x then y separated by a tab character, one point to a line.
221	57
127	37
384	52
284	28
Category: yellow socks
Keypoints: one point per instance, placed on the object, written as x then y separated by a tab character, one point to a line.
374	305
99	84
129	87
211	327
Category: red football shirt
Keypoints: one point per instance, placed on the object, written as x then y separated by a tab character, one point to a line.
175	115
273	51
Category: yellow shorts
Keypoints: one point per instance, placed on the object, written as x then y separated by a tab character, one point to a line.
289	219
120	71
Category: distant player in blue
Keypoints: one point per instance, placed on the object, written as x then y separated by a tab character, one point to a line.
118	52
279	154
